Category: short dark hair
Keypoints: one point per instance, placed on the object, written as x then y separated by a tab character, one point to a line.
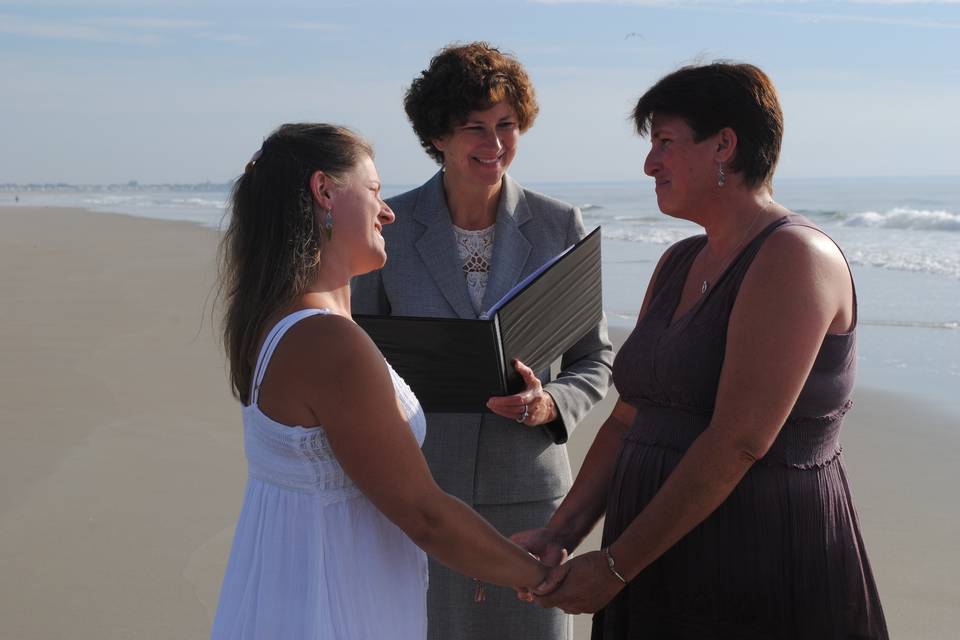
463	78
722	94
270	251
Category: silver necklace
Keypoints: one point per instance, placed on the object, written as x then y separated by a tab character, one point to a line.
740	244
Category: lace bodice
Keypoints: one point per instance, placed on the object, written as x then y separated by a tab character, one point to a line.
475	249
300	458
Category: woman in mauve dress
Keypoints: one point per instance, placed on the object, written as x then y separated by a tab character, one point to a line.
719	471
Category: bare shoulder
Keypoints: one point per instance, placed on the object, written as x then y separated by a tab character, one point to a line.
315	359
319	355
800	271
330	344
795	253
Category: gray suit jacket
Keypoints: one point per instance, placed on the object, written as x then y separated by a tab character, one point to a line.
483	458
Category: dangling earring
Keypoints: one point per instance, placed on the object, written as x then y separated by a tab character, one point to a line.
721	176
328	224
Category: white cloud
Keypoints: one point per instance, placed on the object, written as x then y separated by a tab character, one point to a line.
15	25
146	23
148	31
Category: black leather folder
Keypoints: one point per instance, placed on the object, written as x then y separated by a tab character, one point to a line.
455	365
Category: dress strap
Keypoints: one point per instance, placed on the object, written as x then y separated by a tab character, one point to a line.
271	342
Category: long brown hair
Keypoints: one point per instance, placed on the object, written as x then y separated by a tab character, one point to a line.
270	251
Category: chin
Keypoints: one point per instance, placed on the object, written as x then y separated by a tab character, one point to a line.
669	210
373	264
490	178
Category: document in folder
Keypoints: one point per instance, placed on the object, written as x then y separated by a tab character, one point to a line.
455	365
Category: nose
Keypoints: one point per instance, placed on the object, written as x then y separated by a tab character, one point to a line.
386	215
650	164
493	138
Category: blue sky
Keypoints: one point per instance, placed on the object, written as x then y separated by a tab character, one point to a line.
107	91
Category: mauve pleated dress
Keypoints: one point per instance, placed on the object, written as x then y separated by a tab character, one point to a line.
782	557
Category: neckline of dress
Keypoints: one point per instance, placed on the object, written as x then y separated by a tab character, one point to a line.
673	319
475	232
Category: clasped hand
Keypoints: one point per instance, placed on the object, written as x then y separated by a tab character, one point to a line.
533	406
584	584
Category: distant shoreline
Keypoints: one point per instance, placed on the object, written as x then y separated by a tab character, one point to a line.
12	187
133	185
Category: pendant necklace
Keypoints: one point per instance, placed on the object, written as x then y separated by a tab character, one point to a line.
706	281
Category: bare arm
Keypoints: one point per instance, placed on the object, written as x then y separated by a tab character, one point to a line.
796	291
587	500
352	396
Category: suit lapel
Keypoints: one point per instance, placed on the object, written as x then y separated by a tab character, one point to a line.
437	247
510	247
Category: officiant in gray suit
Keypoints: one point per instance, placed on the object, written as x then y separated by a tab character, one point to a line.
461	241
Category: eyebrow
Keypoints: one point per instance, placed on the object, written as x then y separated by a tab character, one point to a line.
467	123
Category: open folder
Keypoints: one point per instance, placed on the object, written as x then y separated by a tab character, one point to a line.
456	365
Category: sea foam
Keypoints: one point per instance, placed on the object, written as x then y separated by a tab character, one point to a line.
906	218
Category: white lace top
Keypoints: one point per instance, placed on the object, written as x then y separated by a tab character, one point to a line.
475	249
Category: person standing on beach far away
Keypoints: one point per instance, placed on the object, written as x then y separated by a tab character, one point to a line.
728	511
461	241
338	496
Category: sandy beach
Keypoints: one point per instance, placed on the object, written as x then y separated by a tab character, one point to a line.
122	471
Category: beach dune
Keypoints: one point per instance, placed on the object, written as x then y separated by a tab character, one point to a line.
122	471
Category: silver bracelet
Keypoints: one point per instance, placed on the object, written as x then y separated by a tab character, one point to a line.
611	565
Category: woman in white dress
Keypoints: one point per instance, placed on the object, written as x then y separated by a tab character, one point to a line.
340	505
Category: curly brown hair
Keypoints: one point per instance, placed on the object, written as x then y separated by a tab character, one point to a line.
463	78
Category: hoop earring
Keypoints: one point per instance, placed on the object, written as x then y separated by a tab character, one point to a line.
721	176
328	224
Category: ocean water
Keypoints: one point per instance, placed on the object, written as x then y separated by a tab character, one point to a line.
901	236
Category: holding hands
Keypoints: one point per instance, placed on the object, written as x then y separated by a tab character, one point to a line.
585	584
531	407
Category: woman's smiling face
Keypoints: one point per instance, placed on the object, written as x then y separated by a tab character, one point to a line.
479	150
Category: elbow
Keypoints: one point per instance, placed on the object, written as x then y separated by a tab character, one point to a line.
422	529
747	456
423	522
734	460
737	452
747	451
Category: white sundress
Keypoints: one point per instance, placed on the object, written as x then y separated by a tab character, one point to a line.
312	557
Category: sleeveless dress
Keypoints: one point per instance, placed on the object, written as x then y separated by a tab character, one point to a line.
782	557
312	557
